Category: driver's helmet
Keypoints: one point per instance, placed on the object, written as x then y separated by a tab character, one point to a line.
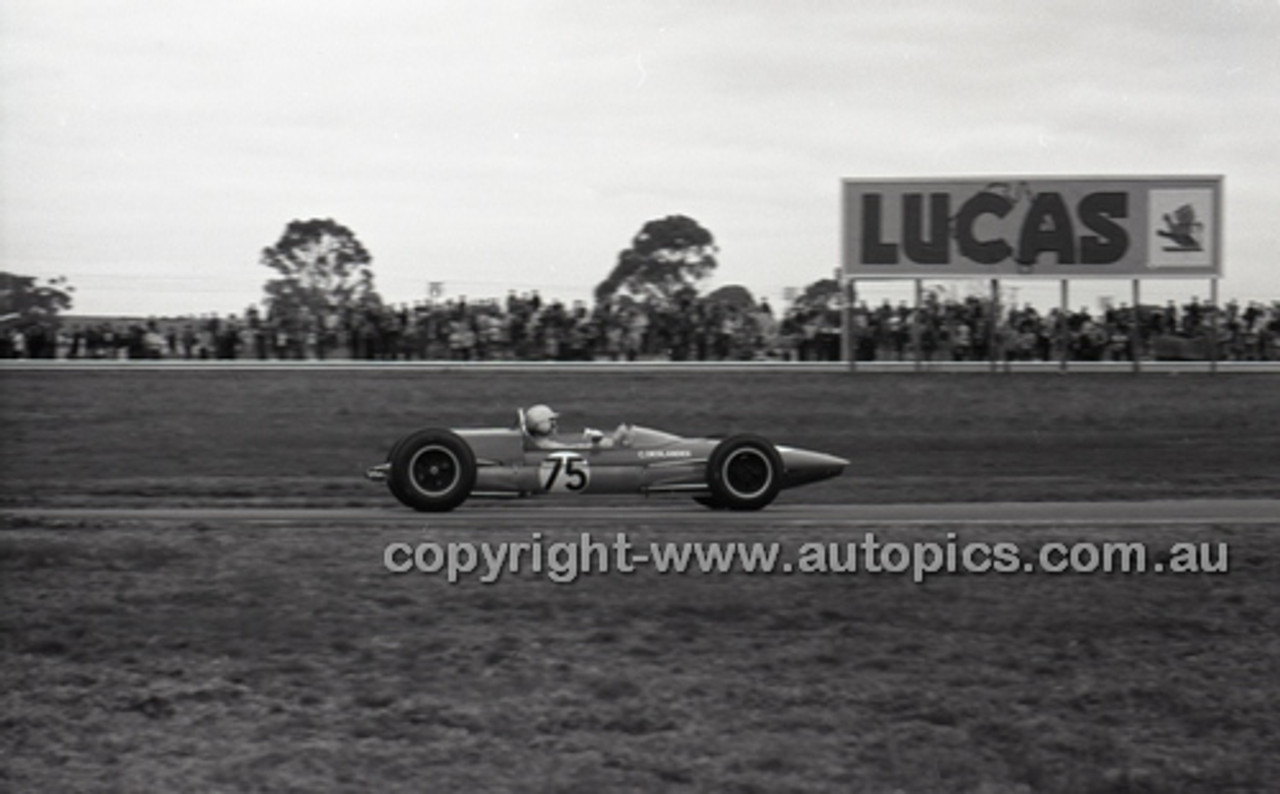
540	420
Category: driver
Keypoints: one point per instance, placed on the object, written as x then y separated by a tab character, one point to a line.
540	422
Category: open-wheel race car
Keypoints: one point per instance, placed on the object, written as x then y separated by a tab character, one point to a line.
437	469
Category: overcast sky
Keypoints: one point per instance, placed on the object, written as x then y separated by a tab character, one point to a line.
150	150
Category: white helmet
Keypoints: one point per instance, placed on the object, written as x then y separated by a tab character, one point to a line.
540	420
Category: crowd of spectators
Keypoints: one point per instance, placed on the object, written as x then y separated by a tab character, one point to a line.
527	327
961	330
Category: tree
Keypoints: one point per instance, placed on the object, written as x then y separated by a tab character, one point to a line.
668	256
734	295
323	268
821	294
25	303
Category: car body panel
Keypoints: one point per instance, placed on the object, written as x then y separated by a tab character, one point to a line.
509	460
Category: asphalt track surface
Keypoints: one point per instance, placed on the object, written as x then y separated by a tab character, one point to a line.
480	515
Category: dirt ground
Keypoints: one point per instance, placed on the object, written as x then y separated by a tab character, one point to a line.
211	657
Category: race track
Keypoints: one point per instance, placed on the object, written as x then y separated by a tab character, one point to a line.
482	515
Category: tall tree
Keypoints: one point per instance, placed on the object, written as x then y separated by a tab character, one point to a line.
26	302
734	295
668	256
322	267
821	294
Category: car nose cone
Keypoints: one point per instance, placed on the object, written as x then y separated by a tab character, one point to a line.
804	466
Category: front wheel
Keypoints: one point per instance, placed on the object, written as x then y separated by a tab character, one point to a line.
744	472
432	470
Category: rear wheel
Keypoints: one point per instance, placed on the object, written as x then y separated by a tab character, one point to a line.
744	472
710	502
432	470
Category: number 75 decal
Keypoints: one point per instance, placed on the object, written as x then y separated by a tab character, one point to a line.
564	471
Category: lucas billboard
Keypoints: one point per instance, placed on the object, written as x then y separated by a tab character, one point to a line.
1014	227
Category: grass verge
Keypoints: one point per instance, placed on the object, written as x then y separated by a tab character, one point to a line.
204	658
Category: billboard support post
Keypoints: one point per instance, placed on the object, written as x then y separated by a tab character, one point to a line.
848	341
916	335
1213	326
1135	329
1064	328
993	327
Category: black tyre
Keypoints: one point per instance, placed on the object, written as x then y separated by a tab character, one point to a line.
710	502
391	481
744	473
432	470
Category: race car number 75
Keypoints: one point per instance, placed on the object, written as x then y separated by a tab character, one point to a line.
564	472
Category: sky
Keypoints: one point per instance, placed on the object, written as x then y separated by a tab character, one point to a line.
149	151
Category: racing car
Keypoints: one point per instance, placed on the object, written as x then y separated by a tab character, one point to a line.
436	469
